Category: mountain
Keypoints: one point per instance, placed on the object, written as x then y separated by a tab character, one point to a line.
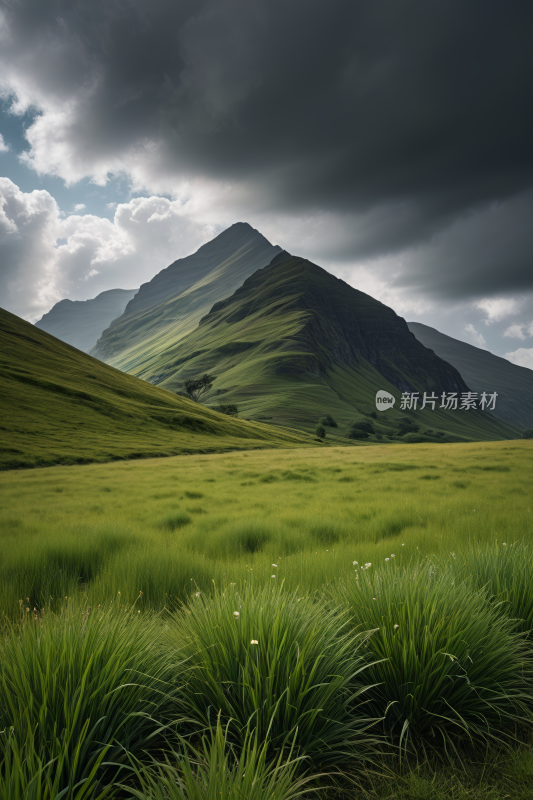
61	406
294	343
483	371
81	322
173	302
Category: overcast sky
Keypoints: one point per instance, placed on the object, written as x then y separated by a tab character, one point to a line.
389	141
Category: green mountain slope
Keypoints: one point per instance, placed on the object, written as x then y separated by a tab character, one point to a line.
483	371
61	406
173	302
81	322
294	342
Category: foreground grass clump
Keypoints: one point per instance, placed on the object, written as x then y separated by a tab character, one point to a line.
78	688
215	772
449	665
506	570
279	664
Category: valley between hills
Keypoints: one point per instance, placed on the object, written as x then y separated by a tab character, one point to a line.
286	342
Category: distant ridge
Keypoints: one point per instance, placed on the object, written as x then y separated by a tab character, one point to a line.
170	305
483	371
81	322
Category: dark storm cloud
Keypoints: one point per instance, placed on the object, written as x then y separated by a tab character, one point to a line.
413	113
487	252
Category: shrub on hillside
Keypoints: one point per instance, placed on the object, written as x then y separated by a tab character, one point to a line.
360	430
362	425
328	421
355	433
527	434
416	438
320	431
229	409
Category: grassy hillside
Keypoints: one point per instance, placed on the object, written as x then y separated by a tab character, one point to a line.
61	406
483	371
173	302
295	343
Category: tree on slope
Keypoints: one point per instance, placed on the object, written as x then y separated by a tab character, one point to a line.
194	387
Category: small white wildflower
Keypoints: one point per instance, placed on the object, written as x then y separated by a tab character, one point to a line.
354	563
272	576
396	626
505	544
386	559
197	594
235	613
368	565
254	641
274	565
403	545
373	598
392	555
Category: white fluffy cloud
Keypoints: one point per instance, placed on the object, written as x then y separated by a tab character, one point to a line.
498	308
518	331
45	257
523	357
478	338
3	146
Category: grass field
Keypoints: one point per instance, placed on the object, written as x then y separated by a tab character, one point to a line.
244	583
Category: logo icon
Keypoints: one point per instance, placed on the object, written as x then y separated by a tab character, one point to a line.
384	400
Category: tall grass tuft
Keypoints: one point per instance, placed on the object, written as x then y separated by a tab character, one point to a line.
506	570
449	667
277	663
78	688
214	772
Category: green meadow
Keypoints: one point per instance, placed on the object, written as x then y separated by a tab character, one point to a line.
352	621
161	526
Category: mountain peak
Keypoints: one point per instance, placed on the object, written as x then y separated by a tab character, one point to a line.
185	272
